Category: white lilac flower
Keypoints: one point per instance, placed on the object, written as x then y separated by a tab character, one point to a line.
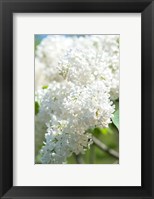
82	74
60	144
84	66
48	53
69	111
55	48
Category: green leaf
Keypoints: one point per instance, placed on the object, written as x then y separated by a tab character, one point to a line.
116	103
115	119
98	131
113	128
104	130
45	87
36	107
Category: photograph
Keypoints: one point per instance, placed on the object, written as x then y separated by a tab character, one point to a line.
76	99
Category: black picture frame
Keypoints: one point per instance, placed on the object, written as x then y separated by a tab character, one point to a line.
7	8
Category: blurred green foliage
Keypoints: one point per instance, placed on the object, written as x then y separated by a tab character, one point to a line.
94	155
36	107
